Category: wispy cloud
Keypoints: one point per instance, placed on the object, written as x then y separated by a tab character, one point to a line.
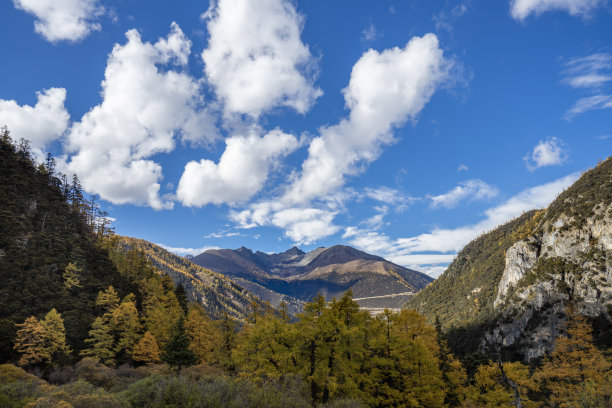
370	34
462	167
550	152
470	190
438	247
592	74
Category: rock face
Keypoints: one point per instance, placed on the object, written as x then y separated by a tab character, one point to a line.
565	264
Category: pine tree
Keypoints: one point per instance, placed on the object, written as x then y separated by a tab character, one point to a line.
177	353
30	343
181	296
100	342
55	335
146	350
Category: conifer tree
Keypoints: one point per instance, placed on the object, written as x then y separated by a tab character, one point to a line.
55	335
71	276
177	353
30	343
181	296
575	361
100	342
126	324
204	336
107	300
146	350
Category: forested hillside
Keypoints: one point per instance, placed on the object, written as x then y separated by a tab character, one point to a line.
49	255
216	293
510	288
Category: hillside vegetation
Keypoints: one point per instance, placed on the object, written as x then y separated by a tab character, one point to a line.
510	288
216	293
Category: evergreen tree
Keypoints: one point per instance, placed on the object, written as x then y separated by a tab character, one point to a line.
30	343
100	342
177	353
146	350
181	297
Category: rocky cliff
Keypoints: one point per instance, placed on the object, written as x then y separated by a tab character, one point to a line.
509	289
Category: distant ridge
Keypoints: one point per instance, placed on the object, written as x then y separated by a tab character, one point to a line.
296	276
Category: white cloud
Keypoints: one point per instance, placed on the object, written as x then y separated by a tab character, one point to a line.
386	89
240	173
370	34
468	190
187	251
255	58
147	102
588	72
440	245
389	196
59	20
595	102
40	124
462	167
521	9
550	152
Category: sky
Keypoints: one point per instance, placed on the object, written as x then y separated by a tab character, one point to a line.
404	128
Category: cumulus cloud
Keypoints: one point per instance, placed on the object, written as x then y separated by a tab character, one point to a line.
241	172
550	152
385	90
303	225
440	245
255	58
521	9
59	20
468	190
370	34
40	124
148	101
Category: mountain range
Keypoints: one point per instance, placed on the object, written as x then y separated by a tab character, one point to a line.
296	276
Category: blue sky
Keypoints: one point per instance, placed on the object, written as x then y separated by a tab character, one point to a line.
404	128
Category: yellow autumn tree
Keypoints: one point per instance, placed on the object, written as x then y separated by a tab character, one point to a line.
55	335
203	334
125	323
491	389
30	343
146	350
575	367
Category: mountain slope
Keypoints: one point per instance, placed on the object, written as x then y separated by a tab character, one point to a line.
295	276
510	287
45	224
217	294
